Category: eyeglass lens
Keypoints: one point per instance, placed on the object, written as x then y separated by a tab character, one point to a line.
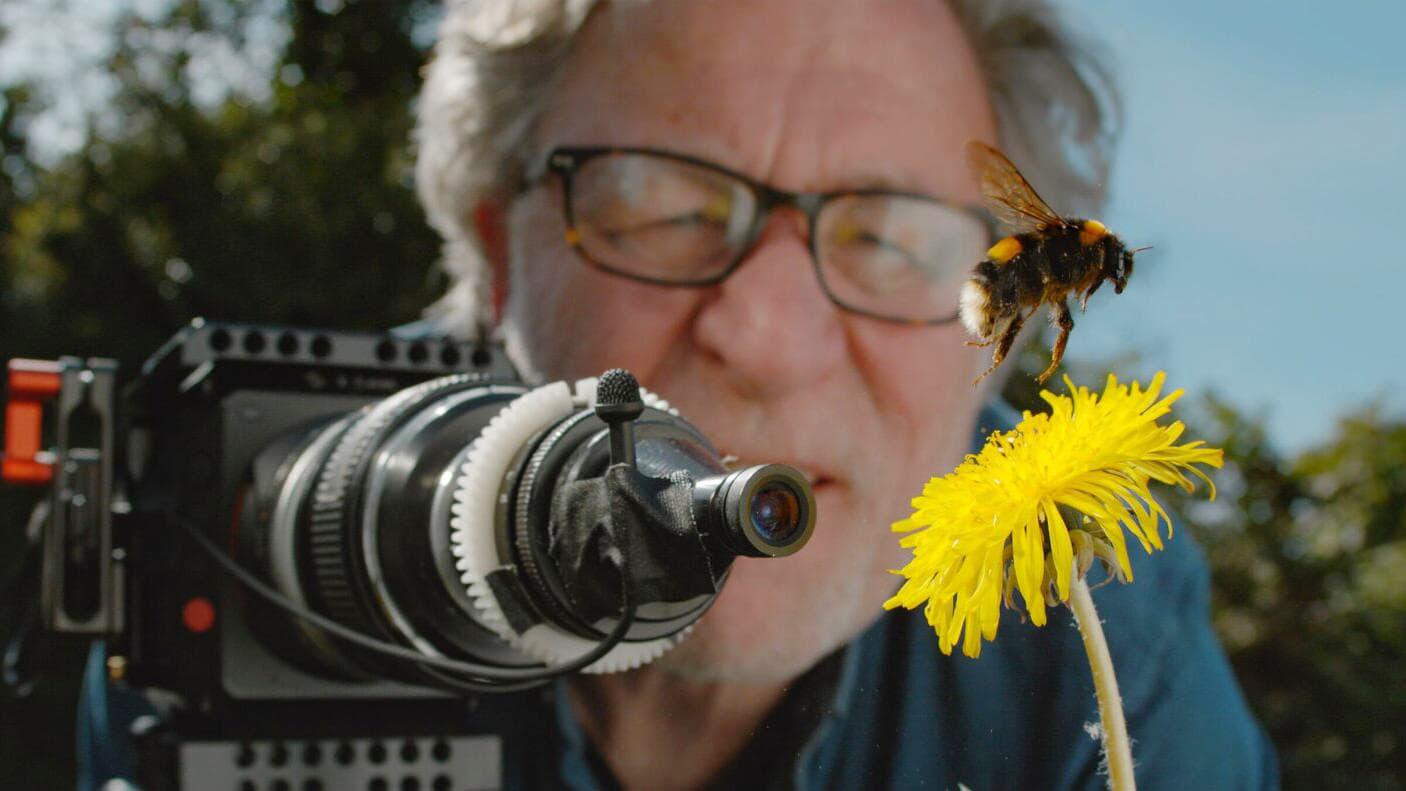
666	220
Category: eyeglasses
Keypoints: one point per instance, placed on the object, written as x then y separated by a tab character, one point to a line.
673	220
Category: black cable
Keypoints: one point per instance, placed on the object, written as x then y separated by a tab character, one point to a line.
17	658
493	679
15	678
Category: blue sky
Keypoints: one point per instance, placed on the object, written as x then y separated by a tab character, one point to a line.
1265	157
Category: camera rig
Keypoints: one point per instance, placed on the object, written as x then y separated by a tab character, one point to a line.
341	560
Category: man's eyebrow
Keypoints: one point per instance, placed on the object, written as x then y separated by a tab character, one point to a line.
886	183
878	181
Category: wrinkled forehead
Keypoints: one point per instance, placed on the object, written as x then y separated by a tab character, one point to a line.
806	94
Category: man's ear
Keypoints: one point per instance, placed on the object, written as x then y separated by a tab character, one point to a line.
490	223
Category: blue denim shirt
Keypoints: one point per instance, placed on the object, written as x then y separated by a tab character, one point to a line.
900	714
903	715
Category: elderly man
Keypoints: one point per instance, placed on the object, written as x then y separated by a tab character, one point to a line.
761	208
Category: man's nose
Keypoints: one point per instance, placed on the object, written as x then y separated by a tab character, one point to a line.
770	321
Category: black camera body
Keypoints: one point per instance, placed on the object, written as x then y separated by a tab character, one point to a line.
207	403
300	552
218	405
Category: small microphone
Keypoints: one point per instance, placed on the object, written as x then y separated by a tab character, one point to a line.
618	404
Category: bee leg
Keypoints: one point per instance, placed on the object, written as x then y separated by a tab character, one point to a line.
1007	304
1065	322
1003	348
1084	301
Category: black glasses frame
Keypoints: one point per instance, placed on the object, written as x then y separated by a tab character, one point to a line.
565	161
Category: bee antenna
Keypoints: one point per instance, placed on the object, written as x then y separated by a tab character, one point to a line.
1140	249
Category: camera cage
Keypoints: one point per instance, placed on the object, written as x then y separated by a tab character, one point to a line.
214	389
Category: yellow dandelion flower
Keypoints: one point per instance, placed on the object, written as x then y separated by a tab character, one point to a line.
998	523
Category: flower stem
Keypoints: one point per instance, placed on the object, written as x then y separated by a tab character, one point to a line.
1116	747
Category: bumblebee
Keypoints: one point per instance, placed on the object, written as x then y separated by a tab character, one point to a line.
1044	261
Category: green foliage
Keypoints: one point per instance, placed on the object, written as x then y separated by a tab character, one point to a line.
1308	556
295	210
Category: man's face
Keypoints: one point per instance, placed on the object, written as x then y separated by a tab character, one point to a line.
806	97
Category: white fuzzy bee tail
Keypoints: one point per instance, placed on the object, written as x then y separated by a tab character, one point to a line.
974	301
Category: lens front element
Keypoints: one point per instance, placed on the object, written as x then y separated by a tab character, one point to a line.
776	512
767	511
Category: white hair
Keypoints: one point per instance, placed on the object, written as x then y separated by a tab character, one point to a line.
495	61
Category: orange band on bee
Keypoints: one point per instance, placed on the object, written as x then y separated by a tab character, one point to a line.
1092	231
1004	250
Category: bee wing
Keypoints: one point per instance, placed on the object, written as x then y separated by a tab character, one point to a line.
1009	196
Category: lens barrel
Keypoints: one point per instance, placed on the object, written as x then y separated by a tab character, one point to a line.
354	518
765	511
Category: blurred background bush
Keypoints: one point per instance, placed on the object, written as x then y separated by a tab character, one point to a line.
251	162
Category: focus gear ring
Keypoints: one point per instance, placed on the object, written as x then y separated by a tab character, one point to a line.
489	459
